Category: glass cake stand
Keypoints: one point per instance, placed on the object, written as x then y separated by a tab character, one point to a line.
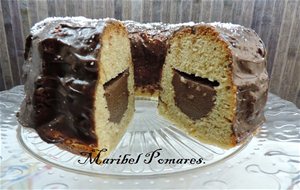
155	145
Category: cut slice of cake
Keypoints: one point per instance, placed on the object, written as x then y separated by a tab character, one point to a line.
79	83
214	82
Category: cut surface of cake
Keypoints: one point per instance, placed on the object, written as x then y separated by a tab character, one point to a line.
214	82
149	49
79	83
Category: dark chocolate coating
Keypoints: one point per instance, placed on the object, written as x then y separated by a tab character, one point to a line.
61	72
249	75
194	96
116	94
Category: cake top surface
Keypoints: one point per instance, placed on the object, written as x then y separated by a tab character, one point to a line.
79	34
68	29
154	28
49	22
244	42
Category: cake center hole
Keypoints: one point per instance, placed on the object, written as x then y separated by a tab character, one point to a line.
194	96
116	94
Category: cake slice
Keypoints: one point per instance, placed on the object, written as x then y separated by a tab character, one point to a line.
214	82
79	83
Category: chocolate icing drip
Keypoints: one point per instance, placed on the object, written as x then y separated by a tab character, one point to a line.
61	62
194	96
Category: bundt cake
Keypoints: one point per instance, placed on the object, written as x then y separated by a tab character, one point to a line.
79	83
82	75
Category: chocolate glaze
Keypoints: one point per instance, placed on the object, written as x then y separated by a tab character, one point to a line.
61	72
116	94
194	96
249	74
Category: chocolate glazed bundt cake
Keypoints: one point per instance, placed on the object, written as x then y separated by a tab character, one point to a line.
79	83
214	82
82	74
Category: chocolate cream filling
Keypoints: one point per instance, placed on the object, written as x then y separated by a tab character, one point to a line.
116	94
194	96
